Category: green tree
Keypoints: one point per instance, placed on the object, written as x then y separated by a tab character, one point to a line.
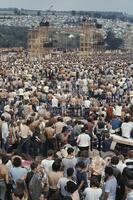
13	36
113	42
38	13
73	12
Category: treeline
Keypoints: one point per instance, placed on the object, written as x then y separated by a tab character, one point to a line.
18	37
112	42
95	14
11	36
104	15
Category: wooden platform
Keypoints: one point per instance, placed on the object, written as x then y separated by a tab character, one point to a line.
118	139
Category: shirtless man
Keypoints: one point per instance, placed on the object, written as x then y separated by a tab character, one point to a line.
72	105
4	179
18	194
50	140
54	176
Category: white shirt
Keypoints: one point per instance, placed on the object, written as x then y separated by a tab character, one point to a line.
34	88
130	196
129	163
83	140
126	128
18	173
85	82
61	185
121	83
46	89
26	95
5	131
110	187
92	193
7	116
21	91
121	166
118	110
55	102
47	165
87	103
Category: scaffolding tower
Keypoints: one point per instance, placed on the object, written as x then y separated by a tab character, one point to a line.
40	44
38	41
128	38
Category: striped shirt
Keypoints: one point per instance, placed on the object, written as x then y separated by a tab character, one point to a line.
129	163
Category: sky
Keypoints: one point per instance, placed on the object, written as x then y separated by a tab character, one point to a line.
88	5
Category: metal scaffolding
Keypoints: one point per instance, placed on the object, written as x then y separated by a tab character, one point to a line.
40	45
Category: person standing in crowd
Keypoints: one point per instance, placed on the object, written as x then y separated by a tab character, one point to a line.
83	140
54	176
97	168
106	143
121	165
37	184
30	174
50	143
110	185
17	194
55	104
126	127
24	135
118	110
4	180
48	162
42	197
70	161
109	111
59	125
129	187
20	184
129	160
83	156
63	181
93	192
17	172
116	171
5	133
81	177
71	188
100	127
116	124
87	104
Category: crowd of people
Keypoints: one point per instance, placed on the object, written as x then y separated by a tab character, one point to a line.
58	117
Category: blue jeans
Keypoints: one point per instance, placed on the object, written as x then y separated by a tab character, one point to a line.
24	145
55	110
4	145
2	190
